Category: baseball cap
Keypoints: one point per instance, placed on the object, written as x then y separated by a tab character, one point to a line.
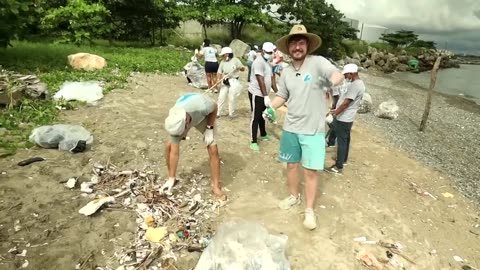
350	68
226	50
268	47
175	122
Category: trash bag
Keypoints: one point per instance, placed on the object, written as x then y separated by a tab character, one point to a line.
197	75
387	110
89	91
72	138
366	104
244	246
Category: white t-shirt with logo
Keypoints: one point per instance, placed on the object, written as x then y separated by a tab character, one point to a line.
210	54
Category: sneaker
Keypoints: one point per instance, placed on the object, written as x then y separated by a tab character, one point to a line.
334	170
265	138
255	147
309	222
289	202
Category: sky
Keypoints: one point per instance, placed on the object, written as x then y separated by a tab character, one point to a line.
451	23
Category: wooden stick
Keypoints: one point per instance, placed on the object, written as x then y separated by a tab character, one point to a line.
433	79
155	253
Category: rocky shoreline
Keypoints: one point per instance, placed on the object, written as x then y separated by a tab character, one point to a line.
400	62
449	143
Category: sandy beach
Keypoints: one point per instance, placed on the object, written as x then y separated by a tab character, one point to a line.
380	196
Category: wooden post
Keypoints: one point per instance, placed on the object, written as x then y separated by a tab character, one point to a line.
433	79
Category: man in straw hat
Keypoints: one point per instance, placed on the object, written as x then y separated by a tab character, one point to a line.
199	111
303	85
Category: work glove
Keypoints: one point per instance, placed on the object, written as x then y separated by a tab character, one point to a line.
167	187
208	136
266	100
196	51
270	115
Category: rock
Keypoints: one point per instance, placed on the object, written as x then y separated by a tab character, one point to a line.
403	59
381	63
367	104
341	63
390	55
403	52
371	50
239	48
348	60
355	55
86	61
381	56
38	90
363	58
374	57
402	67
368	63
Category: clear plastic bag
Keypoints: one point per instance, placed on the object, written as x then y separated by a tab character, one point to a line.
244	246
388	110
72	138
89	91
196	73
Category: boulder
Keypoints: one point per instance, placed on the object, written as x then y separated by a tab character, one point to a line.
403	52
347	60
371	50
366	105
355	55
86	61
374	57
368	63
381	63
402	67
403	59
341	63
38	90
239	48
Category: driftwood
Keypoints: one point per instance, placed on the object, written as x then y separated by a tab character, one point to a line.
13	86
433	79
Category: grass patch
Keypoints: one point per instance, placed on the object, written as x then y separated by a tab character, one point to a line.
49	63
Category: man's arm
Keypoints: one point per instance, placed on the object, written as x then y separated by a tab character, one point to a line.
335	101
278	102
261	84
212	116
274	83
342	107
172	152
336	78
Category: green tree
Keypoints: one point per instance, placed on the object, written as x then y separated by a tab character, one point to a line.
400	38
139	19
423	44
320	18
77	22
13	17
235	13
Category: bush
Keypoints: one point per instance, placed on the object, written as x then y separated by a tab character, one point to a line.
49	62
358	46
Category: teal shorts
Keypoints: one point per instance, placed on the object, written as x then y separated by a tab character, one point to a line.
308	149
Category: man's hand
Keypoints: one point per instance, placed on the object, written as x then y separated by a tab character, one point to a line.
167	187
208	136
266	101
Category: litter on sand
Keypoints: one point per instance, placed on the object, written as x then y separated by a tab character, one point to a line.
167	224
447	195
368	259
72	138
89	91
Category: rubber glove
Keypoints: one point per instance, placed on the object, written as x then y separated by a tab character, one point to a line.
208	136
266	100
167	187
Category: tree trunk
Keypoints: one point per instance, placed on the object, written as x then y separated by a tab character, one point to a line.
152	37
204	28
433	79
236	29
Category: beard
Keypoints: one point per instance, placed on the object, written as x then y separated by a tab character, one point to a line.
298	55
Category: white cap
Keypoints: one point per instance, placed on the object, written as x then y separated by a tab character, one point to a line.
268	47
175	122
350	68
226	50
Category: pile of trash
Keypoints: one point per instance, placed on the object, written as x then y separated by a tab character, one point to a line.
14	86
167	223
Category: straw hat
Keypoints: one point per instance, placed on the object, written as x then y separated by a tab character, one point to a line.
314	41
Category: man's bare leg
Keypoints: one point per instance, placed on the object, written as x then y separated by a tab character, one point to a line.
215	170
293	179
311	183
